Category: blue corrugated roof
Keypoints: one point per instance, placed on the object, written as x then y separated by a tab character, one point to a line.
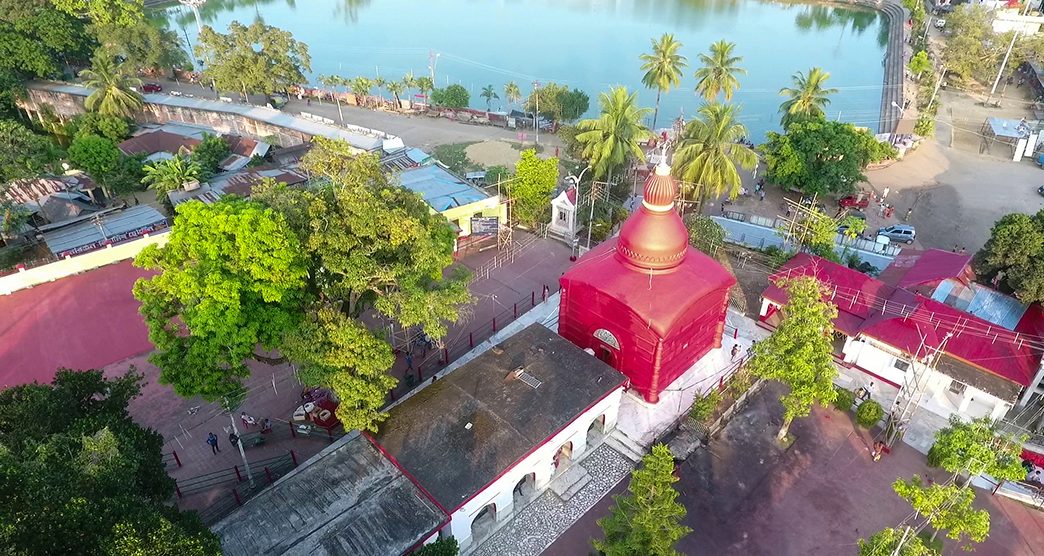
994	306
417	155
439	188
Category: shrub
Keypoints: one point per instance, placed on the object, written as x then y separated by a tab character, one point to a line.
869	413
739	383
844	400
441	547
704	406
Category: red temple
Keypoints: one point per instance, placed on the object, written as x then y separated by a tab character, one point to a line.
646	302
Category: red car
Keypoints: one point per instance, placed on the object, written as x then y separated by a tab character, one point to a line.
151	88
854	201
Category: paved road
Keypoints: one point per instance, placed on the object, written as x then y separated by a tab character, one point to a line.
417	131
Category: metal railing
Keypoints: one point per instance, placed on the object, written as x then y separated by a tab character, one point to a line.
266	472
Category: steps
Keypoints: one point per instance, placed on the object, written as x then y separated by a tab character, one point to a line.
570	481
894	73
626	447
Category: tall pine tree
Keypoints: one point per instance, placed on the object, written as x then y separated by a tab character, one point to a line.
647	520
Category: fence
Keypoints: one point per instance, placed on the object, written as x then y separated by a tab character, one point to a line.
265	472
81	263
451	351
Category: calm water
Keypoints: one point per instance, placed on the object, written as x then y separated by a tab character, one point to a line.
586	44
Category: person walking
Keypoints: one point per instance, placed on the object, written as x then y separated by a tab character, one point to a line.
409	361
212	440
909	212
735	351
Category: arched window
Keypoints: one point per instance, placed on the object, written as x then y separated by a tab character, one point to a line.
607	337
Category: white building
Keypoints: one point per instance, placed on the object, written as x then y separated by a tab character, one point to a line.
563	215
926	327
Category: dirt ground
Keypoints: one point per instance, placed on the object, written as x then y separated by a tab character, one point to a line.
493	153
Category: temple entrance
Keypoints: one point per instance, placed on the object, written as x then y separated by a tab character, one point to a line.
482	524
525	490
563	457
606	355
596	431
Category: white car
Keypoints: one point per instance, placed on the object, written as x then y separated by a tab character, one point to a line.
940	23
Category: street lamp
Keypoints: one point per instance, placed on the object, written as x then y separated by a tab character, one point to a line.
536	112
576	181
902	111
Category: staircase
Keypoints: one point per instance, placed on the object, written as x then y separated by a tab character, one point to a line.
570	481
625	446
894	72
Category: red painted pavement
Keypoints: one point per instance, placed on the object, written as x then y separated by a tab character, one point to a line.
81	322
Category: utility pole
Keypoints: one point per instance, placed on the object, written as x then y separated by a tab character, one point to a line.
938	83
242	454
1000	73
536	113
433	60
914	384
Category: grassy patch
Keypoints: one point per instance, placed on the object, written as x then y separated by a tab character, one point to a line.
936	545
455	158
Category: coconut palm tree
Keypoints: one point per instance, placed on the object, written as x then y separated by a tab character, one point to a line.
709	154
608	140
114	93
663	68
395	88
380	83
719	71
168	175
489	94
807	98
512	93
409	82
360	87
334	81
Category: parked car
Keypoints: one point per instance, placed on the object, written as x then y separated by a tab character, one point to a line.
940	23
854	201
1040	190
151	88
899	232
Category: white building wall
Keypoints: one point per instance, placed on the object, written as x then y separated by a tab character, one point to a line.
540	463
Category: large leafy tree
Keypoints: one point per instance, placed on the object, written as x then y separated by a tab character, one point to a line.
114	88
230	279
663	68
977	447
209	153
121	13
37	39
78	476
453	96
798	353
608	140
144	46
973	49
709	154
646	520
945	507
24	154
718	72
96	155
818	156
530	191
886	542
255	59
91	123
705	234
807	99
168	175
1013	256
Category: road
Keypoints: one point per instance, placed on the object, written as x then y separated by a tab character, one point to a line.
415	131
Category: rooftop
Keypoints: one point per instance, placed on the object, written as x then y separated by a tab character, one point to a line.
458	434
348	499
115	227
441	189
159	141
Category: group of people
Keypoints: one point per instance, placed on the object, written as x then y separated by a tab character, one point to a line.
233	438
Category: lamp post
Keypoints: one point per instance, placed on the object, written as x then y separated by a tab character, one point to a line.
536	112
576	181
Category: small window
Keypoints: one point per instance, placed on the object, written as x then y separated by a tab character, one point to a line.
901	365
561	215
957	387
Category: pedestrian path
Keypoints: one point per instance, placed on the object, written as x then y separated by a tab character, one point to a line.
531	530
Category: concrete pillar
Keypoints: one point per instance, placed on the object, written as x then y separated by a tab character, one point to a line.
966	400
505	501
461	529
999	410
579	441
543	470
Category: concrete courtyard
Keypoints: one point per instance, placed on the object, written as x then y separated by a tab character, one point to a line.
745	495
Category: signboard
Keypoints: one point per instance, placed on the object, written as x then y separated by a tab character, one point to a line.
113	239
485	225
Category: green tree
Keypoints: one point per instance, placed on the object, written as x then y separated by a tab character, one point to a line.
886	541
615	135
705	234
113	128
807	99
425	85
209	153
168	175
663	68
125	177
255	59
144	46
24	154
443	547
1013	254
718	73
548	99
798	353
361	87
37	40
709	154
977	447
12	88
95	155
120	13
512	92
334	81
488	93
530	192
572	105
972	49
79	476
821	156
945	507
646	520
453	96
114	93
395	88
920	64
230	279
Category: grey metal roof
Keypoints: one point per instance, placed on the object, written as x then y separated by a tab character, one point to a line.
260	113
459	433
99	230
348	499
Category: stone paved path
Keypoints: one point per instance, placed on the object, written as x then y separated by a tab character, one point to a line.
536	526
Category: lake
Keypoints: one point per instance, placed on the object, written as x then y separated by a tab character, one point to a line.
586	44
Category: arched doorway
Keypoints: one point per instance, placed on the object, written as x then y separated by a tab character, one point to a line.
596	431
606	347
525	490
483	522
563	457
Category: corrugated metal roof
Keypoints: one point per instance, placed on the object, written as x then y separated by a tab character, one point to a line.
88	235
441	189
